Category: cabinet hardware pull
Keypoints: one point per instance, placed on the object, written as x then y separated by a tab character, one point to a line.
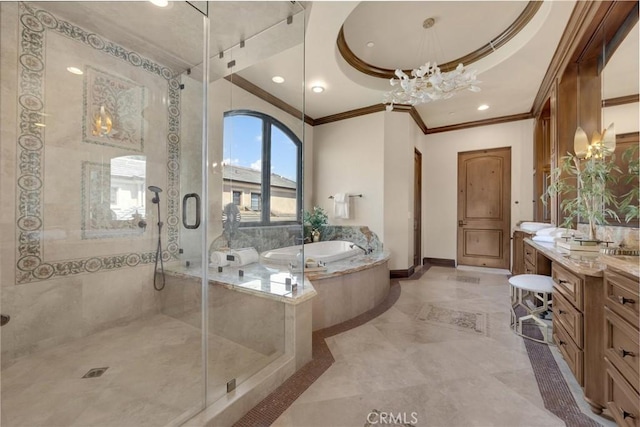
562	281
624	300
561	342
561	312
626	415
626	353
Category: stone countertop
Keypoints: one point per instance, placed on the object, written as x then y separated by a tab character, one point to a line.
587	263
257	279
625	263
350	265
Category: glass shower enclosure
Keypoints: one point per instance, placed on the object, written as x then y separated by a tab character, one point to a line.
114	182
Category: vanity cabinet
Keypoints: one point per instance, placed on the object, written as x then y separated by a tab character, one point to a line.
577	329
535	262
518	252
621	346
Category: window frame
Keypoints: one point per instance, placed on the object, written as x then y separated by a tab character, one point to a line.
265	186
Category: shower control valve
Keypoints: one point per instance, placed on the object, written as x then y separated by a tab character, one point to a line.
142	224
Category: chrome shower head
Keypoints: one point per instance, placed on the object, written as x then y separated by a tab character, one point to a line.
156	190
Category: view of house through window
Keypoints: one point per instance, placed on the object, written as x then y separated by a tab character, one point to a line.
261	166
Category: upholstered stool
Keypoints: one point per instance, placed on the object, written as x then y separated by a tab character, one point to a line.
531	288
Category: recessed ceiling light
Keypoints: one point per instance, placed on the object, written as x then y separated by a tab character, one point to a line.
317	89
75	70
370	44
483	107
160	3
277	79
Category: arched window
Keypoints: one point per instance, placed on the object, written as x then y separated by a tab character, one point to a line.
262	169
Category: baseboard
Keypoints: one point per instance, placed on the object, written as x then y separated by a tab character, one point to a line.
440	262
399	274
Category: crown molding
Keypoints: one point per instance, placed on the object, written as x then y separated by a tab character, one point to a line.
245	84
581	39
485	122
384	73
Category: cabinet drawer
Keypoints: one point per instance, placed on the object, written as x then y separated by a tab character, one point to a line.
621	399
570	352
529	268
621	347
569	285
621	296
571	319
530	255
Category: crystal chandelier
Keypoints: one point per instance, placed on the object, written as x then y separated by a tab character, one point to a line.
428	83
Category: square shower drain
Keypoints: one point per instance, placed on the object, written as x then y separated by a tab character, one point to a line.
95	372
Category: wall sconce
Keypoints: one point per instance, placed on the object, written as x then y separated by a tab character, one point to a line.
600	145
102	122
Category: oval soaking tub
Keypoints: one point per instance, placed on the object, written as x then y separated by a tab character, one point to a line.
329	251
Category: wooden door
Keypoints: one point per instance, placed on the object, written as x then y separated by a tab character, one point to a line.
417	209
484	201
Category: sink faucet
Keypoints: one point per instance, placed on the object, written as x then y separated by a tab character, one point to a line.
367	251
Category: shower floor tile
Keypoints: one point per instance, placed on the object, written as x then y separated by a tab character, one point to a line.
154	376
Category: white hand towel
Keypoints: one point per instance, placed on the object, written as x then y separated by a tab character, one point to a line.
533	226
243	257
547	231
218	259
546	239
341	205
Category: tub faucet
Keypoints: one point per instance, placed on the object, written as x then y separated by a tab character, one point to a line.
367	251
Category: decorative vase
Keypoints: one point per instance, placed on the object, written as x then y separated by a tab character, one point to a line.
315	235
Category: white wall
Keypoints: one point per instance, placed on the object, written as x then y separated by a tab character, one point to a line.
372	155
349	158
439	179
398	189
624	117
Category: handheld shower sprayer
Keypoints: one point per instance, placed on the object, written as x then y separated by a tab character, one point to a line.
156	190
156	201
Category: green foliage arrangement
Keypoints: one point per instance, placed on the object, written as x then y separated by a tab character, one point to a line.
629	203
590	179
316	219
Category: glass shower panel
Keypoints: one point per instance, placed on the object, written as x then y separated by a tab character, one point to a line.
97	121
247	110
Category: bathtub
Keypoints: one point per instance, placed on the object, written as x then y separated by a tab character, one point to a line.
329	251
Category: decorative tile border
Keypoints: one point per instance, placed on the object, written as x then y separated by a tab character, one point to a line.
31	265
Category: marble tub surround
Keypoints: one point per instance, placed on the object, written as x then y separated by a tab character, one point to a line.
260	238
257	279
358	234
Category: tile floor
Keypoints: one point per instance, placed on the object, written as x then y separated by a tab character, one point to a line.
154	377
443	355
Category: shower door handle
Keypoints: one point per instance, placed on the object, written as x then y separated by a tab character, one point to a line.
184	211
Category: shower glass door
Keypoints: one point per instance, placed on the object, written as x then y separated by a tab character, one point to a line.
102	307
255	134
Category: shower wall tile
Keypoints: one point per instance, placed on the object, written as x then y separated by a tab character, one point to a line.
8	70
55	285
113	298
42	315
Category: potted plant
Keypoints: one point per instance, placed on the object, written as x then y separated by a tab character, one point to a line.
315	219
587	174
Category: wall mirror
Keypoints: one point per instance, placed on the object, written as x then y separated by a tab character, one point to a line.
620	88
